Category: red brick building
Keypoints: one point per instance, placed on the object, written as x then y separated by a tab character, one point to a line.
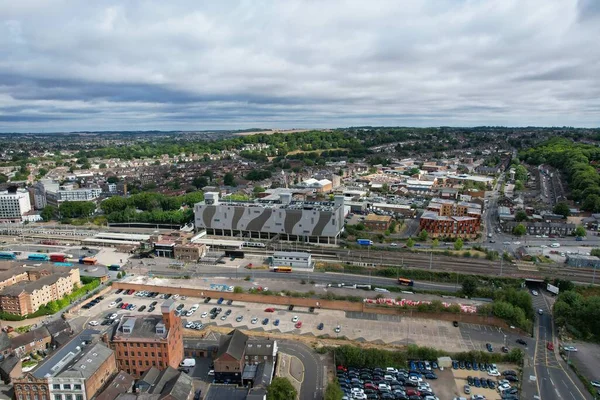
447	218
141	342
374	222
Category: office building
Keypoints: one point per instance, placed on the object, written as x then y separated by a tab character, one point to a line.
13	205
318	222
144	341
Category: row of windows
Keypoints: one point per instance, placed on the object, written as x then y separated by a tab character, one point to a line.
139	354
139	363
128	344
67	397
66	386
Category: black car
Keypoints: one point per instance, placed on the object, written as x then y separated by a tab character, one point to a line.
290	307
265	321
489	347
180	307
142	308
154	303
118	291
213	316
213	310
151	308
311	309
320	326
504	349
511	378
118	300
455	323
229	302
228	312
470	380
198	394
509	372
521	341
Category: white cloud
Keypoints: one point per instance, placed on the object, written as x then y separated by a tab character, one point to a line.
186	65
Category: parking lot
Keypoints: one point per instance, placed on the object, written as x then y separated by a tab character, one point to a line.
467	380
354	326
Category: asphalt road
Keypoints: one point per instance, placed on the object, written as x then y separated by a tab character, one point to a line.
554	380
314	375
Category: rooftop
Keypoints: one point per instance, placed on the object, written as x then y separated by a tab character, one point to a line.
88	363
121	383
229	392
140	327
298	254
233	344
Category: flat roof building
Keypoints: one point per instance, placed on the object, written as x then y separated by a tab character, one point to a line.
14	204
293	259
320	222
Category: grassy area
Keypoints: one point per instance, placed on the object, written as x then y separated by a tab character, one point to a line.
23	329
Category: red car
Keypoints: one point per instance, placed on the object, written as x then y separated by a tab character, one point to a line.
269	309
124	306
550	346
341	368
370	386
298	325
411	392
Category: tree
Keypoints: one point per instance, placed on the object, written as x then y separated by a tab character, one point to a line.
458	245
209	174
112	179
238	289
519	230
410	243
333	391
519	185
229	179
423	235
200	182
562	208
119	275
42	172
281	389
3	178
48	213
103	166
521	216
435	243
595	252
469	286
258	189
580	231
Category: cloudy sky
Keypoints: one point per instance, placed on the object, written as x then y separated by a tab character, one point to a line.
107	65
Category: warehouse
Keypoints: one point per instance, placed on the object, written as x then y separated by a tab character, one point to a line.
294	259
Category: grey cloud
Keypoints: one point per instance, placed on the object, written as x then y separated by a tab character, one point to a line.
159	65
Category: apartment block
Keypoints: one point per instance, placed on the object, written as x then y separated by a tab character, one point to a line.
318	222
145	341
54	198
31	288
447	218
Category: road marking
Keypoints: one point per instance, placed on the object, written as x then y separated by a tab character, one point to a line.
559	364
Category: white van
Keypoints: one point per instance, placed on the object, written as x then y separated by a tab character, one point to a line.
188	362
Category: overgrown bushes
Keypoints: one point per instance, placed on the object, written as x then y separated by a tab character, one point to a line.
352	356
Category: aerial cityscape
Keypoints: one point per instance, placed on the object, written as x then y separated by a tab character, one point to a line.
300	200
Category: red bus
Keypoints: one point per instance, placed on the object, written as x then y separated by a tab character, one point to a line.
58	257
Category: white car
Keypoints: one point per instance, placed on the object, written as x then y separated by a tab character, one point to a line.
394	244
338	329
112	304
199	326
175	296
190	325
189	313
93	323
112	316
194	307
254	320
359	396
204	314
295	318
503	387
570	348
517	243
540	311
534	292
543	246
211	372
493	372
595	383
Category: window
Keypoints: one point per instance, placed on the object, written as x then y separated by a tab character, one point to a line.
56	386
78	397
139	353
146	354
69	397
140	363
57	397
77	387
67	386
126	353
152	354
